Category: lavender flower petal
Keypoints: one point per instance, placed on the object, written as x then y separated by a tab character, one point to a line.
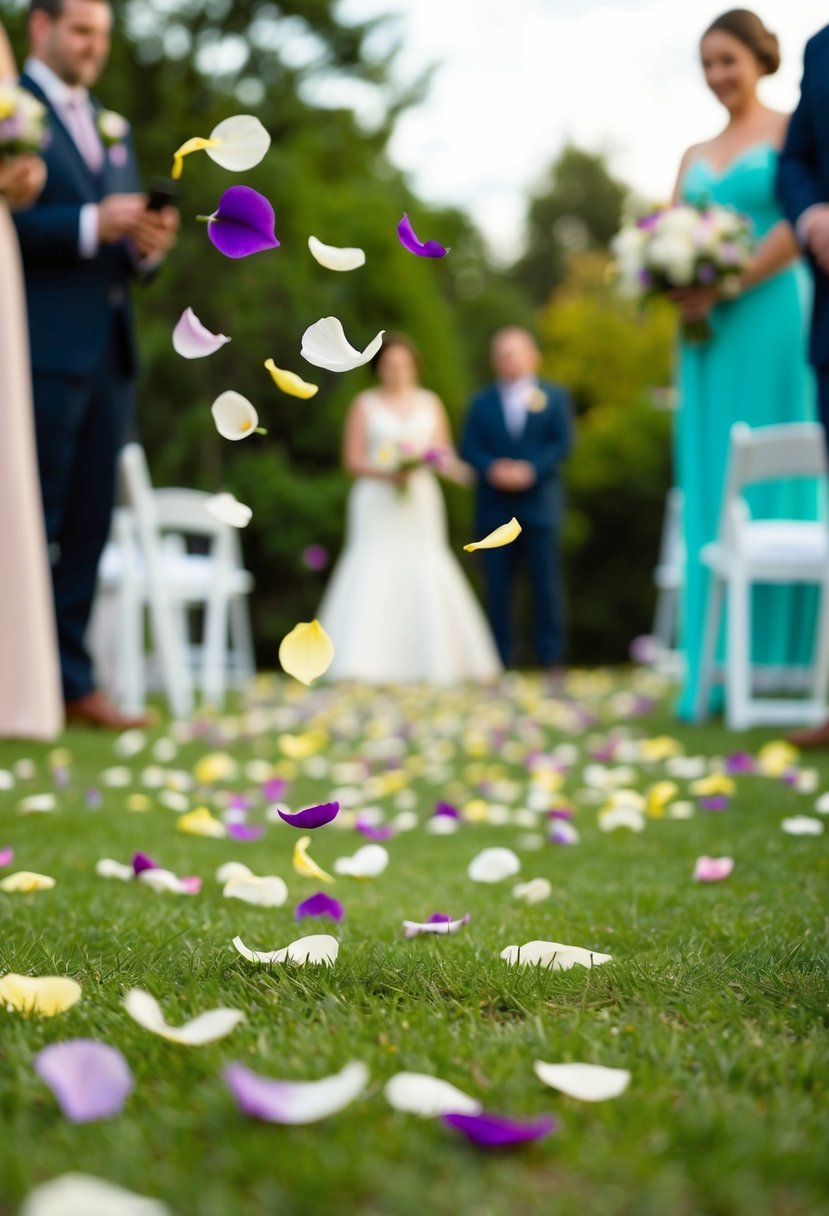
499	1131
312	816
245	831
6	856
410	241
295	1101
90	1080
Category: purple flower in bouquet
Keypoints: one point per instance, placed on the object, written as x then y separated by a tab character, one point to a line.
315	557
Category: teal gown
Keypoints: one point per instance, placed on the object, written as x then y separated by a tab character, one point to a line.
753	370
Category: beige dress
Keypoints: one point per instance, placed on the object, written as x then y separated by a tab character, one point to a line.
31	705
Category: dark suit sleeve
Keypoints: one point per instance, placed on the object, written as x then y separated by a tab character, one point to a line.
50	233
473	448
558	436
797	176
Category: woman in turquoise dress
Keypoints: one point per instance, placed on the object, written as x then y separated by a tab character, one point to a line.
754	369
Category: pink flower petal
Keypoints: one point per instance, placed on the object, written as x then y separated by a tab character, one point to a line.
713	869
6	857
192	340
90	1080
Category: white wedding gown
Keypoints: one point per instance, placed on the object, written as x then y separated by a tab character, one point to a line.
398	608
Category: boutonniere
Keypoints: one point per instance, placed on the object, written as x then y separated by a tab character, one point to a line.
537	400
113	130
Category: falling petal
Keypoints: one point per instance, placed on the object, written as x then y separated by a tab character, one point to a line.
206	1028
365	828
798	825
304	865
368	862
553	955
267	892
228	510
534	891
418	1093
107	868
306	652
83	1195
201	823
243	224
713	869
239	143
290	382
234	416
192	340
408	239
493	865
587	1082
195	144
320	905
312	816
499	1131
504	535
90	1080
324	344
295	1101
46	994
442	926
26	881
335	257
318	949
141	862
159	879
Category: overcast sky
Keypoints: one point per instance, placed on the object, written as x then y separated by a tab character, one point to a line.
517	78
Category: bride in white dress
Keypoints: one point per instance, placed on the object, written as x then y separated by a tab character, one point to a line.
398	607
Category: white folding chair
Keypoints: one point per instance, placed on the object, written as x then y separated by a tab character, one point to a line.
747	552
668	579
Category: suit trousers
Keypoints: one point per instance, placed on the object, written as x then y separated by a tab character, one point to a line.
822	374
80	424
536	550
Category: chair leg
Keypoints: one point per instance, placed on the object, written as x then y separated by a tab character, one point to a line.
244	663
821	656
130	650
215	648
713	616
738	658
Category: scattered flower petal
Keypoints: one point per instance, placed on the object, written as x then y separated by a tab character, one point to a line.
233	869
319	905
493	865
587	1082
504	535
267	892
306	652
499	1131
368	862
201	823
83	1195
234	416
290	382
553	955
237	144
534	891
246	832
90	1080
324	344
295	1101
419	1093
242	224
304	865
192	340
159	879
206	1028
423	249
335	257
713	869
6	857
107	868
312	816
318	949
228	510
798	825
441	926
37	804
43	994
26	881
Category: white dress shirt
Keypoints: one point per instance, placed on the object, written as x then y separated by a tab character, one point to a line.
515	398
61	95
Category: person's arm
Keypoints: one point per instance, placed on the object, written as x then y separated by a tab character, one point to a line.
454	469
687	156
8	68
559	437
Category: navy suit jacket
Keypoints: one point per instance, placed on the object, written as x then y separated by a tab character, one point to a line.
74	302
803	176
544	442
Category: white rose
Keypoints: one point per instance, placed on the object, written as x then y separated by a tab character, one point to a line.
112	126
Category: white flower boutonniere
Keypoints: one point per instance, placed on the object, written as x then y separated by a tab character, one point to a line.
537	400
113	130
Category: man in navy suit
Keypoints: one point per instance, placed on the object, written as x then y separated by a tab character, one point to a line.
517	434
803	181
88	235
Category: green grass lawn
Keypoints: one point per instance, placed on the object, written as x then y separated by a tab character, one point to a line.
716	998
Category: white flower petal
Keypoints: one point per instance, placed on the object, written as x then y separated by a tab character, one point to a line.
228	510
192	340
553	955
83	1195
335	257
244	143
802	825
296	1102
325	345
821	806
367	862
160	879
442	825
206	1028
107	868
234	416
587	1082
130	743
493	865
413	928
268	892
418	1093
316	949
117	778
233	869
534	891
622	816
37	804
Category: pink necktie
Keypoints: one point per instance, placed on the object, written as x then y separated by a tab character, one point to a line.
78	117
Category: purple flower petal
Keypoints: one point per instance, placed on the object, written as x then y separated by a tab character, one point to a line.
371	832
717	802
245	831
315	557
741	762
409	240
6	857
499	1131
295	1101
446	809
93	799
274	789
90	1080
439	918
243	223
142	862
312	816
320	904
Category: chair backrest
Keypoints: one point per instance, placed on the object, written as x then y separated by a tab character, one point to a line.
771	453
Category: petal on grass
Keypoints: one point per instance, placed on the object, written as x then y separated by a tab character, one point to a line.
319	905
206	1028
553	955
295	1101
306	652
493	865
368	862
534	891
243	223
419	1093
312	816
797	825
90	1080
83	1195
318	949
108	868
25	881
46	995
504	535
336	257
500	1131
234	416
412	928
201	823
290	382
246	832
159	879
267	892
713	869
305	865
422	249
324	344
192	340
587	1082
6	857
228	510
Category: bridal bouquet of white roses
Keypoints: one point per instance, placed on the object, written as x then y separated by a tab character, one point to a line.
406	457
683	246
22	122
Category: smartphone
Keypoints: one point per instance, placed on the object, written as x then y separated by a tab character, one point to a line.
163	193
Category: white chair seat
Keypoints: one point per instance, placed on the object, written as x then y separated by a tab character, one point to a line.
187	576
775	549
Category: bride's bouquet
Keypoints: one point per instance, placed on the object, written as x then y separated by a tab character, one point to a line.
22	122
680	247
407	457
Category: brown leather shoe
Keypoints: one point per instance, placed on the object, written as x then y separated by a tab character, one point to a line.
811	740
95	710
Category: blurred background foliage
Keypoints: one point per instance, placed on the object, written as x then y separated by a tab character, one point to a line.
178	67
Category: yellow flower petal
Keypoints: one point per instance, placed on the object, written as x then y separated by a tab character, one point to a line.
716	783
300	747
306	652
139	802
777	757
26	880
304	865
504	535
215	766
659	796
44	994
201	823
196	144
290	382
